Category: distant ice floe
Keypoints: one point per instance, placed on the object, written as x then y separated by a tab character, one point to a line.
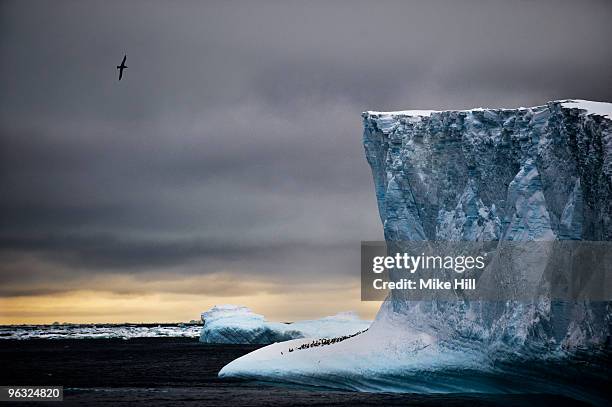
99	331
239	325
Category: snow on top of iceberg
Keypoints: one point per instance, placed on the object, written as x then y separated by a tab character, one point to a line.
427	113
597	108
229	311
421	113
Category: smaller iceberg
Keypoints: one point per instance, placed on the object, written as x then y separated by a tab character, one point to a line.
239	325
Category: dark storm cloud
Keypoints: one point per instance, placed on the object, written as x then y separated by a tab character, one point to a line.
235	134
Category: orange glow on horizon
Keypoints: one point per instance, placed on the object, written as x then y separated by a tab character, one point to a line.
88	306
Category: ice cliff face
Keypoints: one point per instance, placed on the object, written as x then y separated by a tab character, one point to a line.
515	174
528	174
239	325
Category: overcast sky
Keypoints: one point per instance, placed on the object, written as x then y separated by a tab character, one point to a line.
227	164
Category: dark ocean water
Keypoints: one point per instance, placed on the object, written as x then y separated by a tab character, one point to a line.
182	371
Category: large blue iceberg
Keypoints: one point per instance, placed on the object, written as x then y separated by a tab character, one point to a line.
528	174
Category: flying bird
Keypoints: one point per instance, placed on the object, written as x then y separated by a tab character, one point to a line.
122	67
